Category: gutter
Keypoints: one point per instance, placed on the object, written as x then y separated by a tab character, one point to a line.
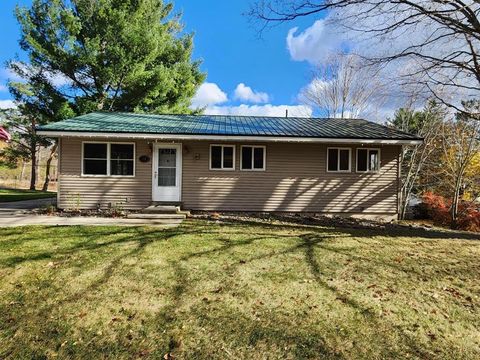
58	134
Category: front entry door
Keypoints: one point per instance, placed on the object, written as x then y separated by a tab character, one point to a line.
167	172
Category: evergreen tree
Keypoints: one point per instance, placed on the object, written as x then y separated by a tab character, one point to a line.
109	55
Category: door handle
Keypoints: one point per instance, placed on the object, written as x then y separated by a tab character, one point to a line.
155	174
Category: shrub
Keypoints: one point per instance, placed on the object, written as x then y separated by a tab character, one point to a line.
469	217
438	209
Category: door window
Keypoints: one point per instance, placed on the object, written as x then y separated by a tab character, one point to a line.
167	167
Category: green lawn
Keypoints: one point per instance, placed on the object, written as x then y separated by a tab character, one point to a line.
238	290
8	195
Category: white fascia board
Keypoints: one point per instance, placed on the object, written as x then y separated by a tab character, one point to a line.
55	134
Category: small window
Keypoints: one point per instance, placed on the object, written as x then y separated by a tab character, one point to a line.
121	159
253	158
106	159
368	160
338	159
222	157
95	159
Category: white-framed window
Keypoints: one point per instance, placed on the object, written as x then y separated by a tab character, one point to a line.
222	157
253	157
368	160
339	159
108	159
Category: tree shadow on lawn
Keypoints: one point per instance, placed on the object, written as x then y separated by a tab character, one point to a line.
167	320
92	241
170	322
353	227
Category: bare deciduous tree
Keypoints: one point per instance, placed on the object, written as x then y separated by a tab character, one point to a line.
345	87
413	158
460	143
440	40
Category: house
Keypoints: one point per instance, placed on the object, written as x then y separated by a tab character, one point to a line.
229	163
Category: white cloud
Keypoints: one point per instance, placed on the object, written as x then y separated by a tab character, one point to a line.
58	79
261	110
314	43
245	93
3	88
208	94
7	104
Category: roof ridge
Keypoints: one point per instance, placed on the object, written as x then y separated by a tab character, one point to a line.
230	116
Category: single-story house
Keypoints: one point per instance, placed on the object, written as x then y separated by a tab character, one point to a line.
229	163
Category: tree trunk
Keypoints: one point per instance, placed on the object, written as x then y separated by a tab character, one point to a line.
47	167
403	208
455	201
22	173
33	175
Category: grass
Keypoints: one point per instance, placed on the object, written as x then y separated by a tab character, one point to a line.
237	290
9	195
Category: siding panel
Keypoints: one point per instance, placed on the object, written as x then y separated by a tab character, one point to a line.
295	180
76	191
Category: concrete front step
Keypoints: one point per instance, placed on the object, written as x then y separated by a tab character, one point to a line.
166	217
161	209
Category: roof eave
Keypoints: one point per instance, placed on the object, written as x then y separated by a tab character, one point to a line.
55	134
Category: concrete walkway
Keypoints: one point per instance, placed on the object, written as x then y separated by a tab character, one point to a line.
30	219
25	205
19	213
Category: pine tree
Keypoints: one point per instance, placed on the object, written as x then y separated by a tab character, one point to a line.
108	55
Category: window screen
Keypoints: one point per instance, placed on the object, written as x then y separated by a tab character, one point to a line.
374	160
247	153
216	157
121	159
362	162
258	157
227	157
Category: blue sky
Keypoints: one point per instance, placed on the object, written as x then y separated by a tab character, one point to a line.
231	51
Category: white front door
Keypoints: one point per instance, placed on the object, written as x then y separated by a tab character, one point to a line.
167	172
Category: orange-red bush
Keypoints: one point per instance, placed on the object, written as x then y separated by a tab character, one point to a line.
469	217
438	209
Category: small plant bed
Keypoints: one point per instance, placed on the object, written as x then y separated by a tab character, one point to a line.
106	213
10	195
321	220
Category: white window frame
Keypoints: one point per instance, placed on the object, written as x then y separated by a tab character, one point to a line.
109	143
221	158
368	162
253	157
338	159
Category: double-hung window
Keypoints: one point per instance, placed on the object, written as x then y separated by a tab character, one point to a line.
339	159
222	157
108	159
368	160
253	158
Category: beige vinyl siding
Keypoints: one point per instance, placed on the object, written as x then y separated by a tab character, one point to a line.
295	180
88	192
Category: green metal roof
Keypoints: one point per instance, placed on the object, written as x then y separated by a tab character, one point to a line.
130	123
